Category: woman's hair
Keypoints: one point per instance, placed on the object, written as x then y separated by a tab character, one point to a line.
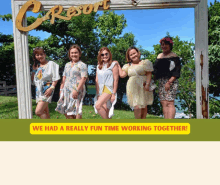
77	47
100	62
37	50
127	53
167	40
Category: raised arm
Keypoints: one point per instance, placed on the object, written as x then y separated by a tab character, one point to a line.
122	73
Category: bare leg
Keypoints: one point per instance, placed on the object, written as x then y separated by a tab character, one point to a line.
40	110
47	112
107	112
78	116
171	110
144	112
99	105
70	116
106	109
137	113
165	108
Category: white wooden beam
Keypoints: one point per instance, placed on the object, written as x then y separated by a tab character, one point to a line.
120	4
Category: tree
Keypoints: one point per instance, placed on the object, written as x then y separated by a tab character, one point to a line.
214	47
79	30
7	59
90	32
187	88
94	31
214	106
110	27
187	83
7	65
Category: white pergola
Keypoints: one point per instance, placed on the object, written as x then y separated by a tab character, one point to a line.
201	46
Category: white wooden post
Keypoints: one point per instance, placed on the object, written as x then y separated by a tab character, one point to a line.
22	65
201	49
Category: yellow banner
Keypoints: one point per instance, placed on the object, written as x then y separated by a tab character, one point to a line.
109	128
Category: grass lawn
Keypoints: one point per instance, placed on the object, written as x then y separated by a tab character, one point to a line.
9	110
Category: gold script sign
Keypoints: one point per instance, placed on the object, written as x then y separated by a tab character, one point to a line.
55	13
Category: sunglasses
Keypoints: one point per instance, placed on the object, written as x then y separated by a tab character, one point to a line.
105	54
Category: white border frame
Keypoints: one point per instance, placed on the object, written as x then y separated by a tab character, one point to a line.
201	44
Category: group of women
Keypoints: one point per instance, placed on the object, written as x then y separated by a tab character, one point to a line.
166	69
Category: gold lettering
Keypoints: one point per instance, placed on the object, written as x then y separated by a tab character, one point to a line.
79	10
54	13
71	12
96	6
105	7
19	19
87	9
57	15
47	16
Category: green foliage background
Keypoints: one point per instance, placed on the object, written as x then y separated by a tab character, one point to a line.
94	31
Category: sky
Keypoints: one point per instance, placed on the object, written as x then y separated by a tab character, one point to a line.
148	26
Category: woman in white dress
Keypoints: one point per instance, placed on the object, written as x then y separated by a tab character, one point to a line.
72	89
45	75
106	84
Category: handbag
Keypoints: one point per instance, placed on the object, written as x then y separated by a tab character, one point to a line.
152	85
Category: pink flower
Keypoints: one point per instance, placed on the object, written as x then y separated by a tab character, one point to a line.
166	39
169	40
